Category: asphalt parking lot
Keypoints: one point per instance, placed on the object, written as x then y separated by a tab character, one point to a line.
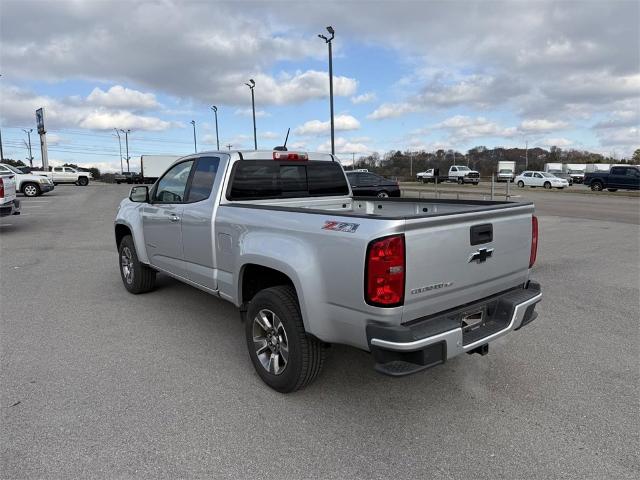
96	382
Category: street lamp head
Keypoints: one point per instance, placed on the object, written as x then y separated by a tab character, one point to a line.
193	122
252	82
214	108
331	30
323	37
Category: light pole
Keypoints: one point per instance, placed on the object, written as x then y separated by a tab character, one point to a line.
251	86
120	146
215	112
526	154
28	132
195	146
328	42
126	141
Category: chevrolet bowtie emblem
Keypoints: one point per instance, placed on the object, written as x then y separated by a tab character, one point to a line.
481	255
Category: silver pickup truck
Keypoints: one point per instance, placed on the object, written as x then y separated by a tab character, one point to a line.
278	234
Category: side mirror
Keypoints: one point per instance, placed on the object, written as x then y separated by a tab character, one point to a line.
139	194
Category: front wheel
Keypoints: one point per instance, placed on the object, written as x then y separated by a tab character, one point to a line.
83	181
285	357
136	276
460	181
31	190
547	185
520	184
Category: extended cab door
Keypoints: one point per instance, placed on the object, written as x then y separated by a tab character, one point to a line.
162	219
197	220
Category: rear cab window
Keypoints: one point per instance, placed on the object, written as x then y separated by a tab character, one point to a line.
264	179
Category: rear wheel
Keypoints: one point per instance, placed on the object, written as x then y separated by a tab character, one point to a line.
547	185
520	184
285	357
136	276
31	190
597	186
383	195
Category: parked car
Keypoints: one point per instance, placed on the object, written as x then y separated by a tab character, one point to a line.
66	175
463	174
280	236
566	176
625	177
9	204
506	171
575	170
540	179
128	177
27	183
366	184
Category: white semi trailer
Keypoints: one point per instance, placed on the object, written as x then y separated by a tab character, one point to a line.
152	166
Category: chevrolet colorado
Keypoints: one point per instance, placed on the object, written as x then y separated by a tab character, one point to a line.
279	234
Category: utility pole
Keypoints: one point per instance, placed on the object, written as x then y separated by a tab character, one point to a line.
215	112
251	86
454	157
328	42
28	132
411	164
229	146
526	155
195	146
126	140
120	145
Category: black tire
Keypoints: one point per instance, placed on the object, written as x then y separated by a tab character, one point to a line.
520	184
305	353
143	278
83	181
612	189
31	189
597	186
118	182
547	185
460	181
383	194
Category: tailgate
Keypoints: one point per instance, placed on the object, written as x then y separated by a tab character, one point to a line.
445	270
9	189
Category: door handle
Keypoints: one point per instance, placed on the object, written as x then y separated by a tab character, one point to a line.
174	218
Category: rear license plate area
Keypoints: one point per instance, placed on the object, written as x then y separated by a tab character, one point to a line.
472	321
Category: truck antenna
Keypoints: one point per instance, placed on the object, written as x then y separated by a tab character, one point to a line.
283	148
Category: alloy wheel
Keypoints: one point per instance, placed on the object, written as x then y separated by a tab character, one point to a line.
126	264
270	342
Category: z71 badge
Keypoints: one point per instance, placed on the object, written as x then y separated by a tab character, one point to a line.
340	226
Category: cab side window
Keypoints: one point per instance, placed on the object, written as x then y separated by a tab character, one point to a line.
618	170
204	174
173	184
537	175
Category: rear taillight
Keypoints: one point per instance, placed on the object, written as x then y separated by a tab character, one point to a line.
385	272
534	241
1	187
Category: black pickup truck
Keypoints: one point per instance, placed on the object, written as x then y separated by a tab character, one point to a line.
625	177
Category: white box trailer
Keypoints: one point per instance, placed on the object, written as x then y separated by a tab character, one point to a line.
597	167
153	166
553	168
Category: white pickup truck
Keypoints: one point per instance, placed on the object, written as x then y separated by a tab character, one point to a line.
413	281
66	175
27	183
9	204
463	174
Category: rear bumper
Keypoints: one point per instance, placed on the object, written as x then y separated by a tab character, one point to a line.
10	208
405	349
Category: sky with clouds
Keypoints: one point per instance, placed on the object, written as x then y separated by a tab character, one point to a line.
407	75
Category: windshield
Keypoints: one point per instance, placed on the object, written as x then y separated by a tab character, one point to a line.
463	169
576	171
504	170
12	168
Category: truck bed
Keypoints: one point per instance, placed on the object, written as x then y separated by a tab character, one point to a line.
387	209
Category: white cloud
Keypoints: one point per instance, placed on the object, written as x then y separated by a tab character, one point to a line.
344	146
363	98
557	142
464	127
108	120
124	98
542	125
391	110
316	127
248	112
